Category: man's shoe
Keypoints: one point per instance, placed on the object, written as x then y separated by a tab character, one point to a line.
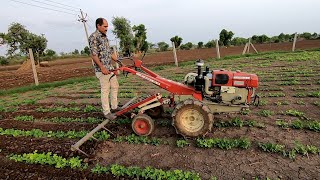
110	116
115	110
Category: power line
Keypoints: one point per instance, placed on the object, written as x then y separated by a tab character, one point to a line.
54	5
63	4
43	7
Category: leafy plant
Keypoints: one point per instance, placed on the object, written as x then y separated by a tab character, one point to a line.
37	133
145	173
295	113
49	159
134	139
24	118
266	113
223	143
182	143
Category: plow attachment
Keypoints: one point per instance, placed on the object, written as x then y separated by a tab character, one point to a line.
144	104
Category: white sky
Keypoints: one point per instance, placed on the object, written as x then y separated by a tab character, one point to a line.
193	20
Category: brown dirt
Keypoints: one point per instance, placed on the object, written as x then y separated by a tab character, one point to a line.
82	67
223	164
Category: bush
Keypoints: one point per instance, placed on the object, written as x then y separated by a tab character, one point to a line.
3	61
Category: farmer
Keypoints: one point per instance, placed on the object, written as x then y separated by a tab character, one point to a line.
101	53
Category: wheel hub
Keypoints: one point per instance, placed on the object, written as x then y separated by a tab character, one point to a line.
192	120
141	126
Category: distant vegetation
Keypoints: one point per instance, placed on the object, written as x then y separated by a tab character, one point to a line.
132	40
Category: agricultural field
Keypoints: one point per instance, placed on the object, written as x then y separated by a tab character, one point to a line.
278	139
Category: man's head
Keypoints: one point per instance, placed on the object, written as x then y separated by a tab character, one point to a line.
102	25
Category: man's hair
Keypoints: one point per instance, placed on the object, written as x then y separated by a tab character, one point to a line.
99	22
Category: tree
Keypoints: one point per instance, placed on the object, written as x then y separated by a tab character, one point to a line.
85	51
200	45
225	37
139	40
176	40
76	52
187	46
163	46
260	39
314	35
151	45
306	35
210	44
19	38
123	31
237	41
3	61
50	52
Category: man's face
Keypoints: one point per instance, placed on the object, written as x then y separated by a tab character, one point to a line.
104	27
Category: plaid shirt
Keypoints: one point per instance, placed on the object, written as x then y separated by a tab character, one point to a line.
99	46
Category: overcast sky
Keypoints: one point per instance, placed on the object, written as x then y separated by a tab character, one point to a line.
193	20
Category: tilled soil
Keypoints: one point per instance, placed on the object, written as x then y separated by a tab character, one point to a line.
62	70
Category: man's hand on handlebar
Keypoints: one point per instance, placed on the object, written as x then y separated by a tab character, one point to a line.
105	71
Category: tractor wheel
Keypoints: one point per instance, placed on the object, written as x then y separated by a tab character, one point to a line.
192	118
142	125
155	112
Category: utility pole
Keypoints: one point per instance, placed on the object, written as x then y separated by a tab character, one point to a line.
83	20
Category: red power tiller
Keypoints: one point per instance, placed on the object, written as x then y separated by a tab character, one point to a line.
194	102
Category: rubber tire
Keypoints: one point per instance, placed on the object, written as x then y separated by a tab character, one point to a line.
147	119
155	112
201	108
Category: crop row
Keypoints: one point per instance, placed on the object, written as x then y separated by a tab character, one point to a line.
291	153
37	133
115	169
298	124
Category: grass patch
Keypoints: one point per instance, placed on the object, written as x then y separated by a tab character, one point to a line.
45	85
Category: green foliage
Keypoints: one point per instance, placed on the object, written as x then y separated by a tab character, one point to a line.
176	40
182	143
122	30
146	173
163	46
314	94
45	85
50	52
223	143
81	120
19	38
134	139
237	122
225	37
200	45
295	113
139	40
85	51
37	133
76	52
49	159
186	46
270	147
24	118
298	124
282	123
238	41
291	153
210	44
266	113
316	103
260	39
3	61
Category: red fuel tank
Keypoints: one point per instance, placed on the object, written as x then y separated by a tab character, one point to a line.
236	79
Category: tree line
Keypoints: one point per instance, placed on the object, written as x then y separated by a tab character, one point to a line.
133	40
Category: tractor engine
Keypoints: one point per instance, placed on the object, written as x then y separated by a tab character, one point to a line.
222	86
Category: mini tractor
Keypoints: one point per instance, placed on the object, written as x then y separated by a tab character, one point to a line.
194	102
